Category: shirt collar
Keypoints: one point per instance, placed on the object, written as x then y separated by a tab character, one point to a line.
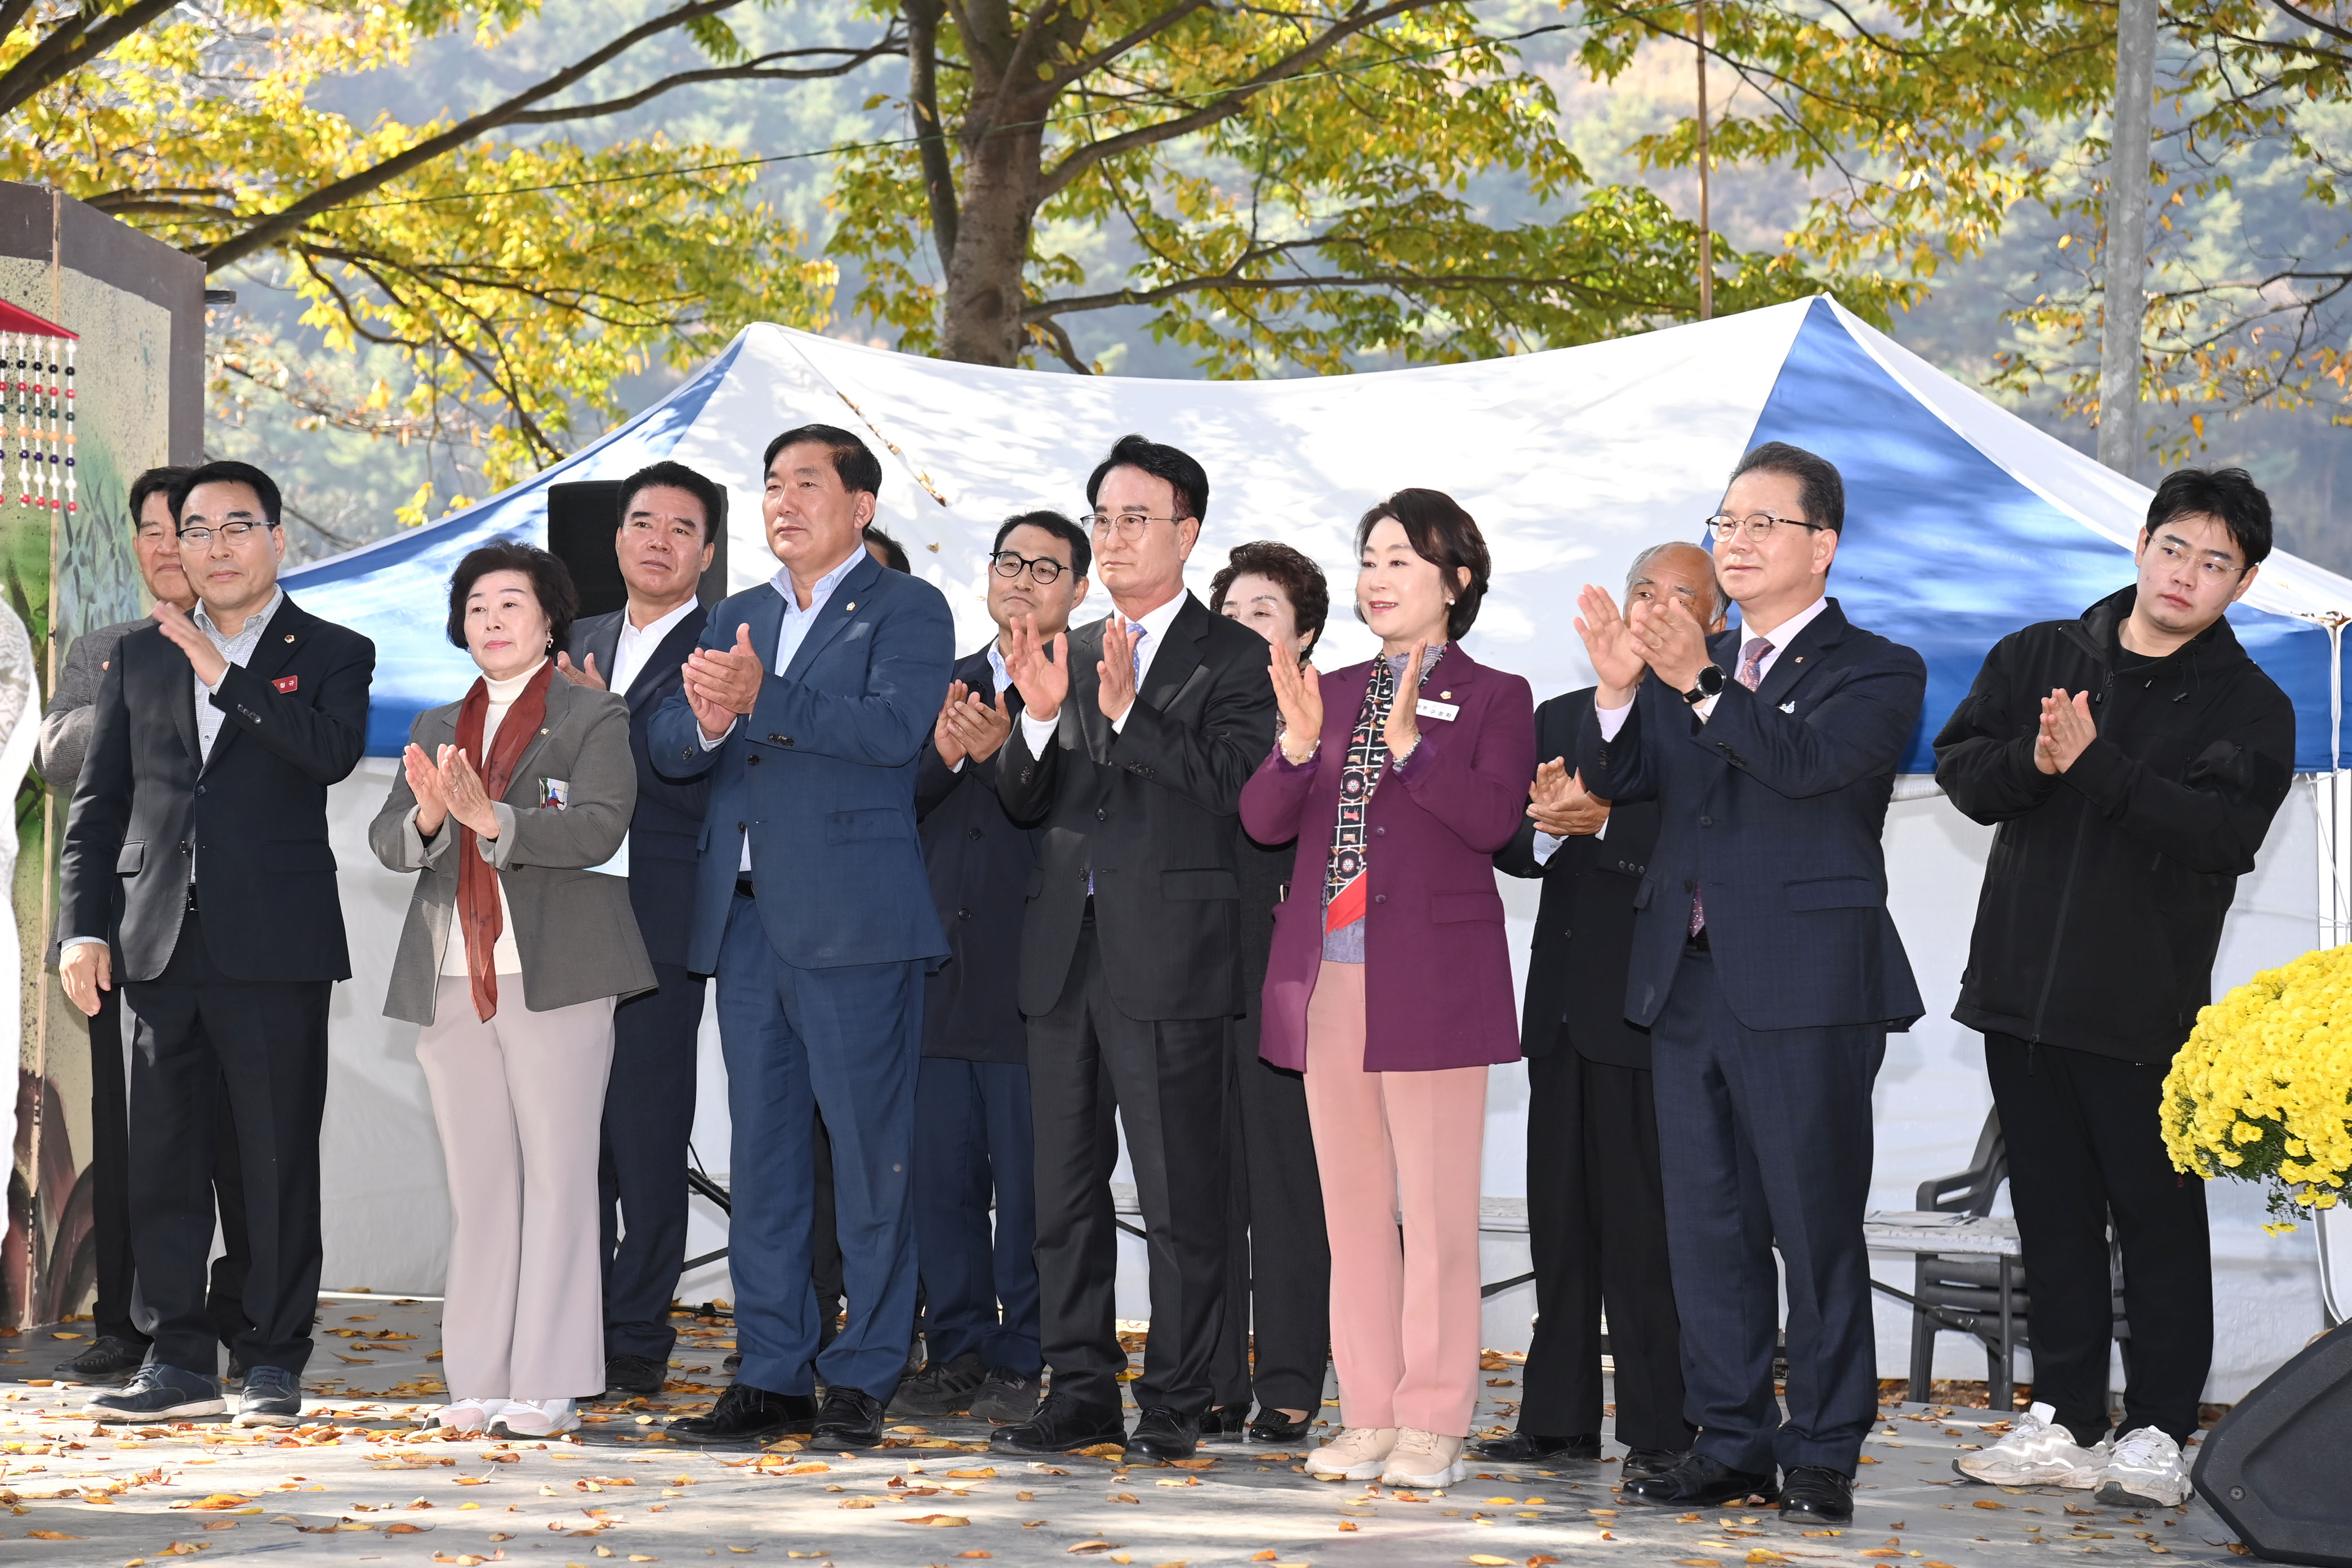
1155	623
254	622
782	583
996	667
1784	633
660	629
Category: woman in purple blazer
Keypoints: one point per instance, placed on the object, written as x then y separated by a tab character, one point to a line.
1390	984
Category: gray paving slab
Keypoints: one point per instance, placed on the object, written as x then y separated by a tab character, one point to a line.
357	1483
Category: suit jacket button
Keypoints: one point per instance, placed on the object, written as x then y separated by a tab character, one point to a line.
200	789
752	761
973	835
1690	885
1707	822
1381	832
963	914
1379	898
739	827
1101	815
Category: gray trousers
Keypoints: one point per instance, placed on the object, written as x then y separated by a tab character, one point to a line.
517	1100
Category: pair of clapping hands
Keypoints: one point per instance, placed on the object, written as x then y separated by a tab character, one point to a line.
446	785
1299	693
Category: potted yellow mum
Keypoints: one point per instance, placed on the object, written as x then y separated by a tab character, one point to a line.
2262	1090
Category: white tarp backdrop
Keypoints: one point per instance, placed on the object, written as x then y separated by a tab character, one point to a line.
1963	523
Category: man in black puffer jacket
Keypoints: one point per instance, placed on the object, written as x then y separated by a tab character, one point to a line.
2131	760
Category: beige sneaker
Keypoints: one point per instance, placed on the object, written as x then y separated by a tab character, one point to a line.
1356	1454
1424	1460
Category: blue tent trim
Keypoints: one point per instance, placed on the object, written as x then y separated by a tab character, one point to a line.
1947	551
397	592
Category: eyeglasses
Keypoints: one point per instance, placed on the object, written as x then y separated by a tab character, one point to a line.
1758	526
234	533
2212	570
1130	524
1043	570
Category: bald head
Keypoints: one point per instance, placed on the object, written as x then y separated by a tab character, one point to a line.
1682	571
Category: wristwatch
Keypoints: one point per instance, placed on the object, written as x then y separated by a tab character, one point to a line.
1710	682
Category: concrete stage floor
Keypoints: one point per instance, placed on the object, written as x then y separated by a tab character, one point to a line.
357	1484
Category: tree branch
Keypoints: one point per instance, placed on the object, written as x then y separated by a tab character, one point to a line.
930	139
759	69
70	45
2316	24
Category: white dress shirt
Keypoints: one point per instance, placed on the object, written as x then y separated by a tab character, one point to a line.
1153	631
1613	718
638	645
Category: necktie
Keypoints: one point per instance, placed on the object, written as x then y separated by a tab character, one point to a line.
1135	638
1751	676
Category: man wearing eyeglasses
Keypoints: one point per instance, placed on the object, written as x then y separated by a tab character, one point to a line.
2132	759
1135	736
205	801
1768	972
972	1135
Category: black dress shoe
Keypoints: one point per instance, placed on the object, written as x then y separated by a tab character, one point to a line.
1005	1395
1641	1463
1221	1421
733	1362
1526	1447
1701	1482
940	1388
633	1377
1815	1494
1273	1427
749	1414
1163	1435
107	1359
1061	1426
849	1418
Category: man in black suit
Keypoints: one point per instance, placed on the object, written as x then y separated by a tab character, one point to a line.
972	1126
205	801
1596	1214
665	544
1137	736
1767	971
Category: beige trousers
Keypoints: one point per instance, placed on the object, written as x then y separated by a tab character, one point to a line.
519	1101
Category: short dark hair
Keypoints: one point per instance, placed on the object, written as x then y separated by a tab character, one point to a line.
154	481
1301	580
1442	533
858	468
676	476
1820	489
2230	494
227	471
1082	548
1183	472
894	554
551	583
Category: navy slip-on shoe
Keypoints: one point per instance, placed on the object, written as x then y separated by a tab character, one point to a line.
159	1393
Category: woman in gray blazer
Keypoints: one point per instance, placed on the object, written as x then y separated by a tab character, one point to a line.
514	954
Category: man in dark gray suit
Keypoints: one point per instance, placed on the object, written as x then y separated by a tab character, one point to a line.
119	1343
665	542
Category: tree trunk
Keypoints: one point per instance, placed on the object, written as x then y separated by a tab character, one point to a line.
1001	176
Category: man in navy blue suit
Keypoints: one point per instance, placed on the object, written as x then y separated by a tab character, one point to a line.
663	543
1767	971
807	703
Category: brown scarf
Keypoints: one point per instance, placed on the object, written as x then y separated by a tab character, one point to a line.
478	915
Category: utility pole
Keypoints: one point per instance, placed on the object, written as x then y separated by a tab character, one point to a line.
1705	235
2126	242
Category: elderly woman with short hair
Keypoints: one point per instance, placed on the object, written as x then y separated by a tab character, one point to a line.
512	958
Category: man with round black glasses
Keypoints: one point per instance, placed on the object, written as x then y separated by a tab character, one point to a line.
972	1123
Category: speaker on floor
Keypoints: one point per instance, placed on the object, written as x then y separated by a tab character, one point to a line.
582	515
2278	1467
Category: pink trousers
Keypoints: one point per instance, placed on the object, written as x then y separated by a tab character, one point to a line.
1396	1147
519	1101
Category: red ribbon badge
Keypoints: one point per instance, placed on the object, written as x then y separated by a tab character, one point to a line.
287	683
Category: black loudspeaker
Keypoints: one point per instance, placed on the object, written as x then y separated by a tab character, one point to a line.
582	515
2278	1467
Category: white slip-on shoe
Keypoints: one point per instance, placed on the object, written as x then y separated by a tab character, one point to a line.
534	1418
2036	1452
2147	1469
464	1415
1424	1460
1356	1454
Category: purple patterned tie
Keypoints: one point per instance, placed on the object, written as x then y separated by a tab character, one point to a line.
1751	676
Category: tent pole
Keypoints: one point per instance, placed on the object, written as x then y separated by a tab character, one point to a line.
1705	235
2126	303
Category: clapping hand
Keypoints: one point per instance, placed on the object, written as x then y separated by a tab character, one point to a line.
1610	644
424	783
1299	693
461	787
1671	641
1042	681
1403	731
2066	729
722	684
980	728
1115	670
1560	805
189	638
585	676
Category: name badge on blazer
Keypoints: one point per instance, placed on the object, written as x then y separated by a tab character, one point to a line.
555	793
1428	709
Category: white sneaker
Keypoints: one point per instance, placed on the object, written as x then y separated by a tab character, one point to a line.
534	1418
2146	1470
2037	1452
1424	1460
1356	1454
464	1415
